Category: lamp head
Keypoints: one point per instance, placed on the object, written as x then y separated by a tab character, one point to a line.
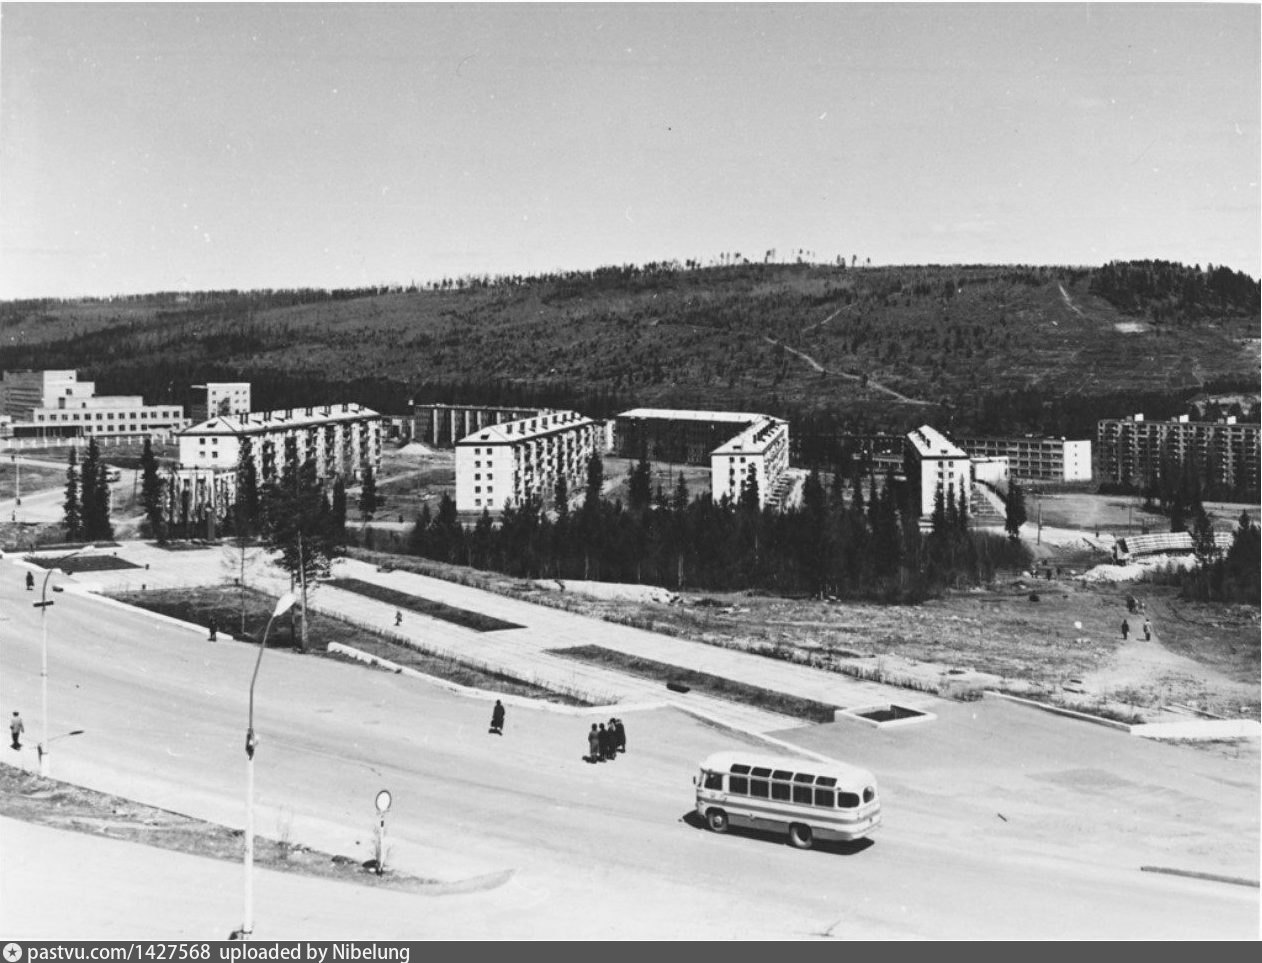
284	604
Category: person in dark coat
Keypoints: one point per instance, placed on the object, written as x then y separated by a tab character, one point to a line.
30	582
16	728
619	736
1126	629
593	745
497	718
213	625
604	743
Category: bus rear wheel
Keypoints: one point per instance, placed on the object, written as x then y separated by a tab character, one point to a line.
716	819
800	836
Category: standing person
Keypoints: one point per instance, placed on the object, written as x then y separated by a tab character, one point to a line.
16	728
593	745
398	616
214	628
603	742
620	735
30	582
1126	628
1147	631
497	718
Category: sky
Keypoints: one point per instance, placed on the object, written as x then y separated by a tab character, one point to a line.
162	147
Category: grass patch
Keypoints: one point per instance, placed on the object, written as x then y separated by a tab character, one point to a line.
712	685
476	621
84	563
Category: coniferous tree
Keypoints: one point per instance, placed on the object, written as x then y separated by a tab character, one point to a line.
151	492
368	500
247	505
72	520
339	507
1014	505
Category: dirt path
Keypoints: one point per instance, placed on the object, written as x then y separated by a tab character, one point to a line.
815	365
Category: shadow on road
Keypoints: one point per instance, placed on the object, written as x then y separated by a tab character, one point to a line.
853	848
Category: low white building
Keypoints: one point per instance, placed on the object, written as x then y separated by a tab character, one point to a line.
760	453
507	463
934	465
56	404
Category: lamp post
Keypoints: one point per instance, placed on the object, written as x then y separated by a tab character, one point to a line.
44	748
283	604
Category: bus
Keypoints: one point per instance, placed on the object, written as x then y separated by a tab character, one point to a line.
808	800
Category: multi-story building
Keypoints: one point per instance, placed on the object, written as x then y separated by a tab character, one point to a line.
342	440
221	398
759	454
441	426
735	444
1135	451
504	465
935	465
507	463
1029	457
55	404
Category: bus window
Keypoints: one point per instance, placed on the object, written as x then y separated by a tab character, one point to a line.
826	781
802	794
714	780
824	797
780	790
740	769
738	784
760	788
847	800
760	772
782	774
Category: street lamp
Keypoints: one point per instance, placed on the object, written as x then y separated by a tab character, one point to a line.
283	604
44	748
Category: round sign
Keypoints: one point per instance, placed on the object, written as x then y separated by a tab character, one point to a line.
383	801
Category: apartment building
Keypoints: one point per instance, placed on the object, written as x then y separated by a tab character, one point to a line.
1035	458
56	404
1136	451
442	425
759	454
507	463
220	398
935	464
342	440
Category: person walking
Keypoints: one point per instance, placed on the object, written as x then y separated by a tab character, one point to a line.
16	728
497	718
30	582
1126	629
593	745
1147	631
398	616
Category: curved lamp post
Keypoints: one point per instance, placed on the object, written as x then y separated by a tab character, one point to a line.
44	748
283	604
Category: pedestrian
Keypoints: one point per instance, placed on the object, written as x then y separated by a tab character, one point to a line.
16	728
1147	631
604	743
30	582
1126	628
620	735
593	745
398	616
214	629
497	718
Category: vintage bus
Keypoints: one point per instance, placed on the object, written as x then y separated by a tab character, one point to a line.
808	800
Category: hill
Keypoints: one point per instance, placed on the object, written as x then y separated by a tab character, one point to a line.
979	348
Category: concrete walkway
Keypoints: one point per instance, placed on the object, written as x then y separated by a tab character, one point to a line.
522	652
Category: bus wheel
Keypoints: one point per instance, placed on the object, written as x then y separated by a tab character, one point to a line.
716	819
800	836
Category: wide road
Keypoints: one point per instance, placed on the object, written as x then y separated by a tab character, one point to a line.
1001	822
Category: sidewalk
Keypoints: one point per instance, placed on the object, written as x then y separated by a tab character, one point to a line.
523	652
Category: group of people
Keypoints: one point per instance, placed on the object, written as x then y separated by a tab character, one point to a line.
1126	629
606	741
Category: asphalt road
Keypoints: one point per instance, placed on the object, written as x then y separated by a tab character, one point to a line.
1001	822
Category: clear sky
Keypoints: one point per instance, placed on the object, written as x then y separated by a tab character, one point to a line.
150	147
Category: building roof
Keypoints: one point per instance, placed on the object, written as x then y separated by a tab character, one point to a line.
931	443
753	439
680	414
512	432
259	422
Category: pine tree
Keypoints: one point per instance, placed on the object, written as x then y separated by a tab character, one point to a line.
1015	510
368	500
151	492
247	506
72	521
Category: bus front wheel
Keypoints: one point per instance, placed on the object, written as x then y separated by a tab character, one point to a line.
716	819
800	836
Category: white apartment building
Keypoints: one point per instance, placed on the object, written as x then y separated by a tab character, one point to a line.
1031	457
221	398
341	439
507	463
56	404
936	464
760	452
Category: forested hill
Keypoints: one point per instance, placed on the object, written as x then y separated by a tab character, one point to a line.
863	349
